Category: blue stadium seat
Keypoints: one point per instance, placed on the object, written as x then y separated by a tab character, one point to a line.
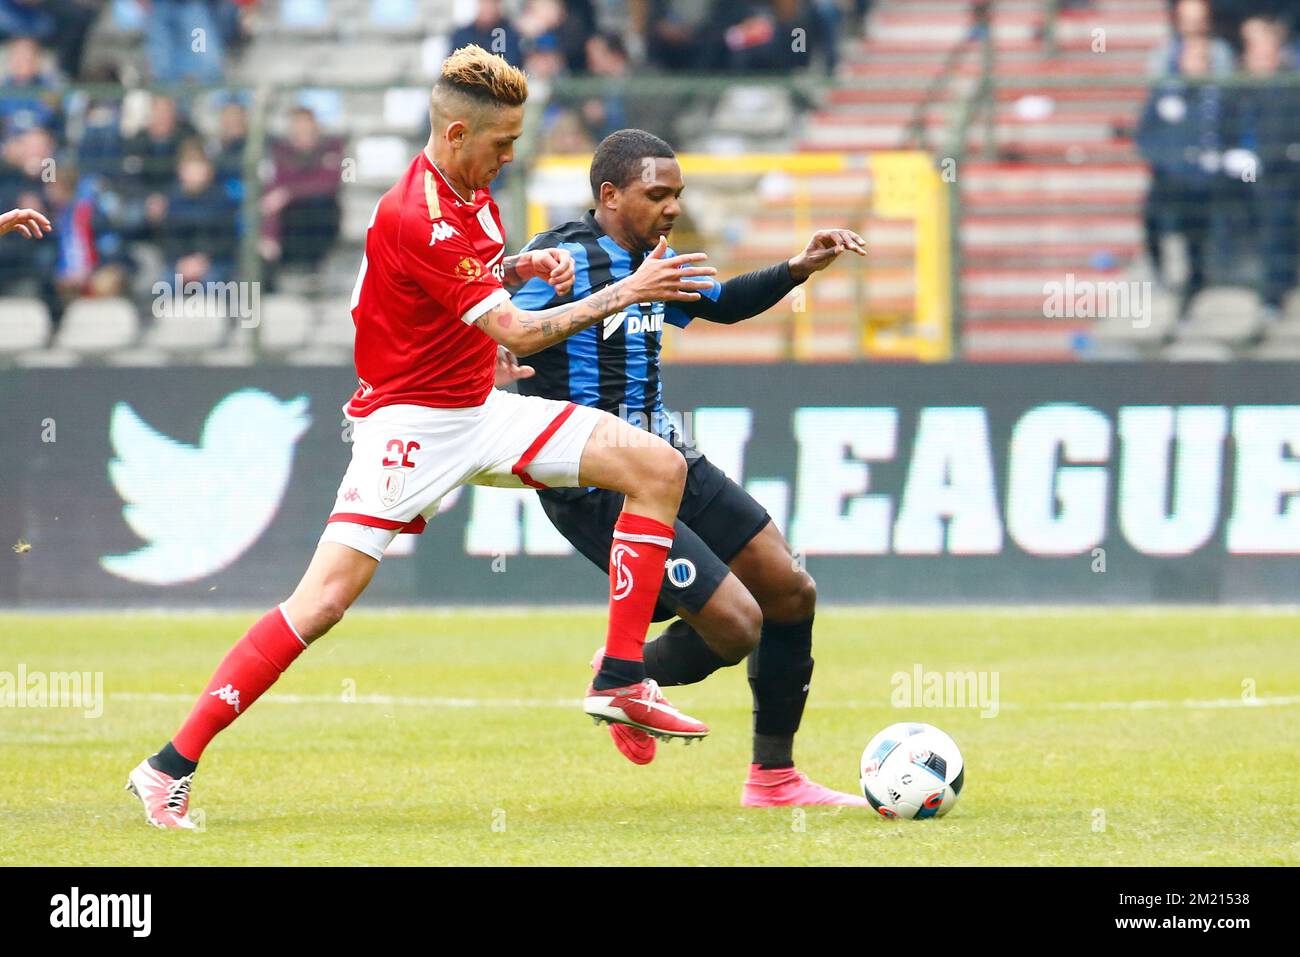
303	14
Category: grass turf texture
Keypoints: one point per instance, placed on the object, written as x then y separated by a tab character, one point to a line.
314	779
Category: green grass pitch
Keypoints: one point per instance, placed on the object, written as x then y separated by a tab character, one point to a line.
1123	737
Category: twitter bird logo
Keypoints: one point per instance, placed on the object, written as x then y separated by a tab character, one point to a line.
199	508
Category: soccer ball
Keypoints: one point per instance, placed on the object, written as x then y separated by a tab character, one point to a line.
912	770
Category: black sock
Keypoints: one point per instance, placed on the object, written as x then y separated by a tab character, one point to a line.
171	762
680	656
780	670
773	751
617	672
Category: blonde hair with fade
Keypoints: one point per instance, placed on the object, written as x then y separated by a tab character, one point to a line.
482	76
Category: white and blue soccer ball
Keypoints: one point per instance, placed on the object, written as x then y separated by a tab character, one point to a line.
912	770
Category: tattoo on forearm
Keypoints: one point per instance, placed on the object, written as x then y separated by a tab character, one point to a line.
549	326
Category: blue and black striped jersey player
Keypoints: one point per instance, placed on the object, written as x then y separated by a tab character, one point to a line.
734	586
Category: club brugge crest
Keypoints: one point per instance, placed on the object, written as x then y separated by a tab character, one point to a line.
390	487
681	572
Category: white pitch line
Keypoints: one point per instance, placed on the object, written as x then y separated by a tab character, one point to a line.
372	700
423	702
1159	704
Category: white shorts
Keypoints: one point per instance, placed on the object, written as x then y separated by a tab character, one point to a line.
405	458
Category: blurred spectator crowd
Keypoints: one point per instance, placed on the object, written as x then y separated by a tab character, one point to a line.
148	184
1225	154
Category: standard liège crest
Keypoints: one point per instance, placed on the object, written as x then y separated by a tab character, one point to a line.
469	269
391	484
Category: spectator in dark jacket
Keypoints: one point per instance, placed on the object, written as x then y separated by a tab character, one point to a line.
29	93
1180	134
25	167
151	154
1192	22
1265	125
228	150
197	224
492	31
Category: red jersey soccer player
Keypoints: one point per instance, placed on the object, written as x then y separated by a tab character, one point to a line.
431	313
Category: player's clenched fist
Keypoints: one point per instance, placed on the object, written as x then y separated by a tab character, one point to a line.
671	278
553	265
27	221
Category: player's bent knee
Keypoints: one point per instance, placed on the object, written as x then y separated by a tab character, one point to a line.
666	474
804	599
735	629
793	601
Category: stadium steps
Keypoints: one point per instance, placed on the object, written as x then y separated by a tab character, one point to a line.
1059	190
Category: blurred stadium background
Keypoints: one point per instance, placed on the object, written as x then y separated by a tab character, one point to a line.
1046	182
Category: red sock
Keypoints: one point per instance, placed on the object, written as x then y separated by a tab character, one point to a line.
249	668
636	573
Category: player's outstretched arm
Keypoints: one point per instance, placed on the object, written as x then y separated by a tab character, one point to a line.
659	278
753	293
823	249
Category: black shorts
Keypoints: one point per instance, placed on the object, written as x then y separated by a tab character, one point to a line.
717	518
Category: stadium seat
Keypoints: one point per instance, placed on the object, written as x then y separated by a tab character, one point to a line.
93	327
1280	350
327	105
433	50
406	108
1228	314
364	110
282	63
285	323
358	64
382	159
334	328
238	350
755	111
1164	312
304	16
1197	351
24	325
188	334
127	16
395	16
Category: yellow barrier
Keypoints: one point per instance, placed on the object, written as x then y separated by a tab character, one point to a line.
899	306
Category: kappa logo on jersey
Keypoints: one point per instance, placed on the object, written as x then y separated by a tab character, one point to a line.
229	694
469	269
622	574
441	230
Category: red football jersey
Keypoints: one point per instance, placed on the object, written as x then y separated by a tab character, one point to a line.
432	265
